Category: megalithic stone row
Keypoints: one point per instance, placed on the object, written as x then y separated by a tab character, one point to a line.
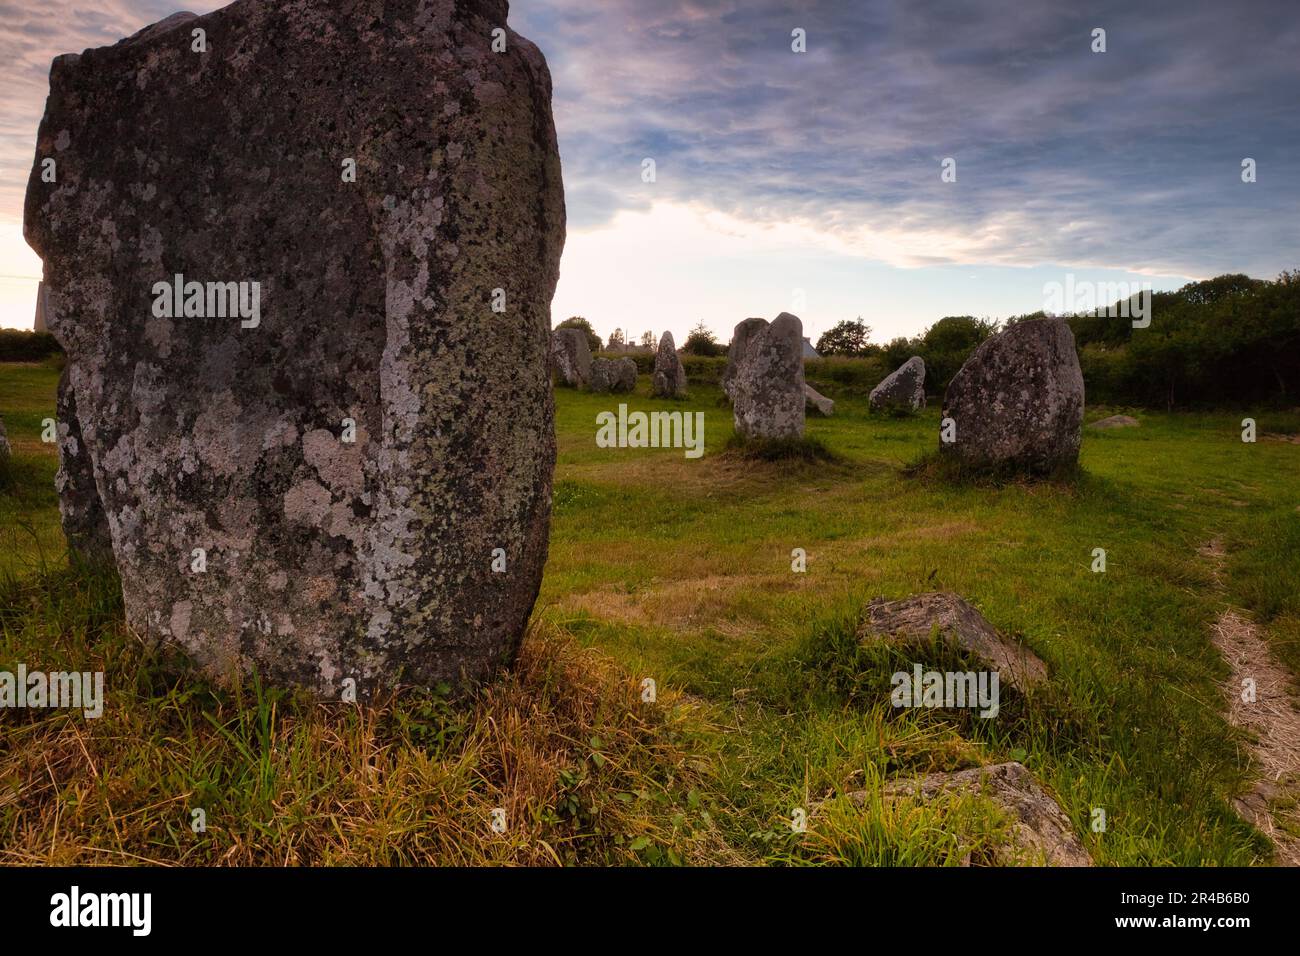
768	390
1017	402
302	264
669	379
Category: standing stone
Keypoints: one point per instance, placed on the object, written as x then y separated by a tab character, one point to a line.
626	378
571	357
902	390
350	482
612	375
85	526
815	401
769	389
1018	401
669	374
736	351
39	324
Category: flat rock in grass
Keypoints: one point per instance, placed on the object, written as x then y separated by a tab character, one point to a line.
85	525
669	379
768	390
817	402
571	357
740	338
902	389
6	452
917	617
1041	832
1017	402
327	455
1115	421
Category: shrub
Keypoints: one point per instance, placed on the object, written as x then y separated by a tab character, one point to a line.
18	345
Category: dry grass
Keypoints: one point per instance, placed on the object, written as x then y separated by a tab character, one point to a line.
586	772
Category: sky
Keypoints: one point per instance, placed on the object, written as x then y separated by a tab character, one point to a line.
810	182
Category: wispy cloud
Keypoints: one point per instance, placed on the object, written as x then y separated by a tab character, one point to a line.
1124	159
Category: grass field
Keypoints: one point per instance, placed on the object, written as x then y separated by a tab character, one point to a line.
680	571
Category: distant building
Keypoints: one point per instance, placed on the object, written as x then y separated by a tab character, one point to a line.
40	325
808	350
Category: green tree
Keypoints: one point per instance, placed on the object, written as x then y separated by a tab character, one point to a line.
702	341
578	322
845	338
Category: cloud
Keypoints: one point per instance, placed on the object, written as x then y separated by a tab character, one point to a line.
1126	159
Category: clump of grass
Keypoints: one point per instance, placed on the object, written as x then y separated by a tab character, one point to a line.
808	448
935	466
876	830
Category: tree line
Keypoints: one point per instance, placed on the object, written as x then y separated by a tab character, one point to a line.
1227	340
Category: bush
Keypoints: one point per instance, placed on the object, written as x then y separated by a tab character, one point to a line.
845	376
701	341
18	345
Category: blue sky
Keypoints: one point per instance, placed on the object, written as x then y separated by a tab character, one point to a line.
810	182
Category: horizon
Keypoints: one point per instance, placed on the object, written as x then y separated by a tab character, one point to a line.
811	182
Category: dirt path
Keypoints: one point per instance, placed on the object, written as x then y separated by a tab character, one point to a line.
1272	720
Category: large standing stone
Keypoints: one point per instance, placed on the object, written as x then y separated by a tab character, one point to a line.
902	390
1018	400
571	357
354	482
85	525
736	351
768	390
669	374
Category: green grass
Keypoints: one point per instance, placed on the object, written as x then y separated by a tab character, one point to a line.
30	535
680	570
